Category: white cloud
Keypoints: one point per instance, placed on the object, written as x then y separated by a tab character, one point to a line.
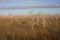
32	4
42	5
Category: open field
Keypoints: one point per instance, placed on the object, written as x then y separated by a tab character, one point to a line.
33	27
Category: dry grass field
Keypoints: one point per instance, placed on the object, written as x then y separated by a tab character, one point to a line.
33	27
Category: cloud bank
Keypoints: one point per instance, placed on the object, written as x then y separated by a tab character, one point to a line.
29	4
32	6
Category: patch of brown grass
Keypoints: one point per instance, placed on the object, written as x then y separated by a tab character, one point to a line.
33	27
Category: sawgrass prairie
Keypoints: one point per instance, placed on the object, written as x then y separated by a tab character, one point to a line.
30	27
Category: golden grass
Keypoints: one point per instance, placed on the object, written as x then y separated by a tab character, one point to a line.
33	27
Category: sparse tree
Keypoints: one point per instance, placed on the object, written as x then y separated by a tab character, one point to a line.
10	14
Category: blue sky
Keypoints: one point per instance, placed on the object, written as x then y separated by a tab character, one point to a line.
10	6
51	1
29	2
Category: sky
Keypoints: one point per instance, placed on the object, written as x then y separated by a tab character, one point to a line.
28	4
7	5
